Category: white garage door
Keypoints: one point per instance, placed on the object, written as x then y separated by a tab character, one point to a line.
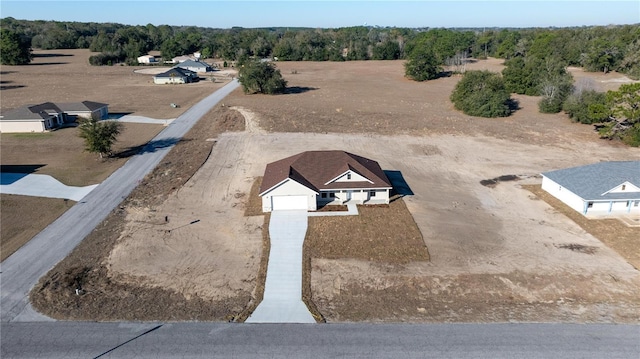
288	202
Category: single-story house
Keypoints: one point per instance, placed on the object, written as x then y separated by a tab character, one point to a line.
147	59
48	115
315	178
85	109
605	188
176	75
32	118
195	66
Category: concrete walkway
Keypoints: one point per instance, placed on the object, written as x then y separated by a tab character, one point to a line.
282	302
143	119
352	210
40	186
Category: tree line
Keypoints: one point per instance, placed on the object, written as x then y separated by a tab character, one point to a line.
596	48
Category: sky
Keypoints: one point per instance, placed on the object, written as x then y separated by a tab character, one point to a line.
331	13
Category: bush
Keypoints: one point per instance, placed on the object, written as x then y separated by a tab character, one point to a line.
261	77
587	107
422	65
482	93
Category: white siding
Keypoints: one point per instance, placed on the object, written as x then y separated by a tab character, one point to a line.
354	177
169	80
21	126
289	188
628	187
567	197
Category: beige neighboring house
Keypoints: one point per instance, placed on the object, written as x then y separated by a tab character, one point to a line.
599	189
48	116
313	179
147	59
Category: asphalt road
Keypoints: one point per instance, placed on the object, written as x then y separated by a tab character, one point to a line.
22	270
208	340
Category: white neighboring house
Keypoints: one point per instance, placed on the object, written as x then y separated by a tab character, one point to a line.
47	116
313	178
176	76
147	59
599	189
195	66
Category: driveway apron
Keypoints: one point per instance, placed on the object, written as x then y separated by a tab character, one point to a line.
282	302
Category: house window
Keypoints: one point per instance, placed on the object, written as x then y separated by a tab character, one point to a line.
372	193
636	203
332	195
324	195
559	188
590	205
348	176
624	186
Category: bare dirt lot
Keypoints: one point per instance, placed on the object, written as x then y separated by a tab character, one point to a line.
496	253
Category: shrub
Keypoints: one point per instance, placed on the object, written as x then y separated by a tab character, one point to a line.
482	93
586	107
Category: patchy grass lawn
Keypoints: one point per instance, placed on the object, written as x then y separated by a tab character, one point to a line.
616	235
381	233
16	229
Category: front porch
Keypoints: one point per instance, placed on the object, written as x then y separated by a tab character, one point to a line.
355	196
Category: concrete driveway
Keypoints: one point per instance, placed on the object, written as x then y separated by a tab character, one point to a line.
40	186
282	302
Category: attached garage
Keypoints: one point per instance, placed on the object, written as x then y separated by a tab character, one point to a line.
289	202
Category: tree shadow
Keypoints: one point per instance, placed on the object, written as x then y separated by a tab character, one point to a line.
443	74
7	72
514	105
51	55
12	173
294	90
47	63
11	87
151	146
400	187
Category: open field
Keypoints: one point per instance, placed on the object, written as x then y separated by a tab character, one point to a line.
66	76
496	254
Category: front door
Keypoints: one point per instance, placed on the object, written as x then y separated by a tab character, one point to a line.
348	196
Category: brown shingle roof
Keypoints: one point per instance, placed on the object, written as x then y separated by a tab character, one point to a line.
315	168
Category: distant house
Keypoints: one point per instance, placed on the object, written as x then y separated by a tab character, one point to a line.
183	58
599	189
176	75
147	59
195	66
309	179
47	116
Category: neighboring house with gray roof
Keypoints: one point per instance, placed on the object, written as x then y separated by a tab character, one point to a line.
48	115
176	75
605	188
315	178
195	66
85	109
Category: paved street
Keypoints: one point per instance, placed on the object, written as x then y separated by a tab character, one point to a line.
214	340
22	270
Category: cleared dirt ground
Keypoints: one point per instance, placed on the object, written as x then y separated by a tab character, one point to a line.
496	254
